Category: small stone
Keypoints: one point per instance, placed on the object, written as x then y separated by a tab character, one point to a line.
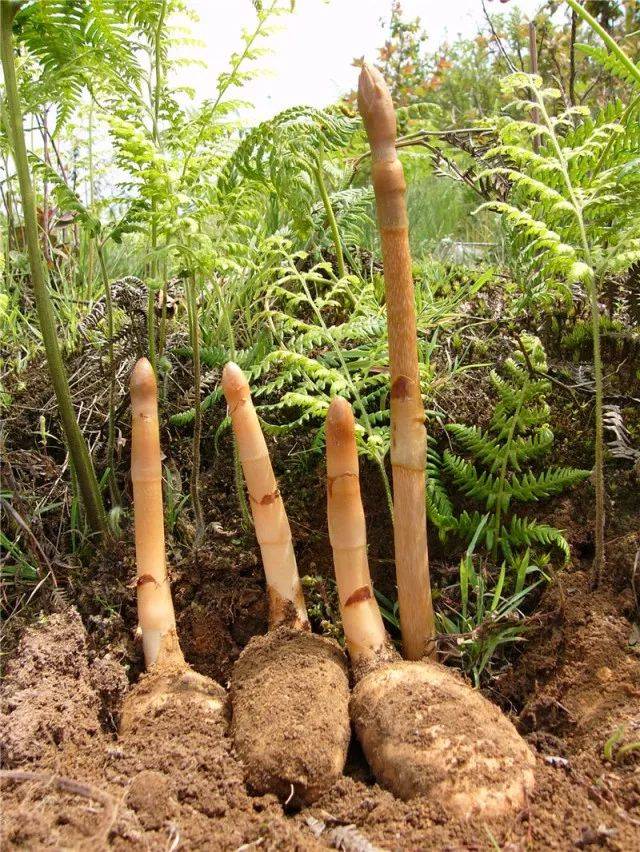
604	674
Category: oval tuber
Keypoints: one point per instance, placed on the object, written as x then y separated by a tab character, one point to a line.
422	729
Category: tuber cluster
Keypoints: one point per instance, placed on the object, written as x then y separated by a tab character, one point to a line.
422	729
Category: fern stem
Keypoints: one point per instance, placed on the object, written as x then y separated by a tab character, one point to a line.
78	450
151	325
592	289
247	521
162	332
224	82
503	473
611	44
111	435
194	335
598	562
157	71
331	216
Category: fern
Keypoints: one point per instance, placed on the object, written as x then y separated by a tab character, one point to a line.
281	156
572	209
498	472
75	46
565	197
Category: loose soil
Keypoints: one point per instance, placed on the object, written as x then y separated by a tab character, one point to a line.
71	782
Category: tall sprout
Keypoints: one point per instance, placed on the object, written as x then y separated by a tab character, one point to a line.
155	606
408	434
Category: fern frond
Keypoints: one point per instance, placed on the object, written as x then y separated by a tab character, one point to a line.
467	478
523	532
530	487
475	441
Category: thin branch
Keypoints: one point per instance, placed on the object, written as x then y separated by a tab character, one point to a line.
501	47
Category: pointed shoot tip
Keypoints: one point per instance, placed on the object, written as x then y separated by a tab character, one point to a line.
340	420
143	380
376	108
234	383
342	453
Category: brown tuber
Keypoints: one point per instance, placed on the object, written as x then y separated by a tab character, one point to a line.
169	679
289	689
422	729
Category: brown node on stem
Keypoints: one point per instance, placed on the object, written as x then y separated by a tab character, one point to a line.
268	499
361	594
400	389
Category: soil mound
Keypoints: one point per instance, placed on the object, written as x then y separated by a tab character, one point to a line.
171	784
48	700
68	781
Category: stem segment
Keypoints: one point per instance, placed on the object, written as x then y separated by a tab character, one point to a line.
331	216
111	439
78	450
155	607
361	619
286	600
408	434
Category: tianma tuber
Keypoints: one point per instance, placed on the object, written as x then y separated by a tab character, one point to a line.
289	689
422	729
169	679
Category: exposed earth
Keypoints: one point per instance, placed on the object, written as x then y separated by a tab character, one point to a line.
69	781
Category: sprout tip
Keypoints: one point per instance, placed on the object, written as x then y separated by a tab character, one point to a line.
143	379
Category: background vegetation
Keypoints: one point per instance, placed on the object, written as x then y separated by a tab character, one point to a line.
135	222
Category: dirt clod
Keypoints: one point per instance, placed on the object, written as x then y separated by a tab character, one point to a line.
47	698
